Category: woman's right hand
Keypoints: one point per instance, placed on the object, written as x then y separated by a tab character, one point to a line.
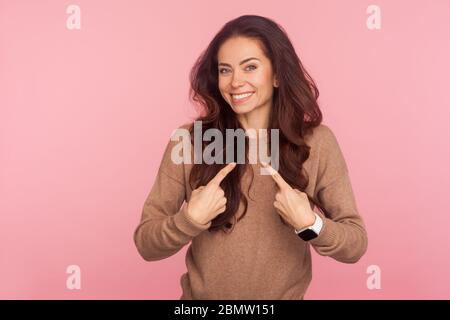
209	201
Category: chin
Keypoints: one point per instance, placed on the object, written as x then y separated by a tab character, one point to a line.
242	109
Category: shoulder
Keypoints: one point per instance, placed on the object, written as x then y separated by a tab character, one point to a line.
179	149
175	156
325	151
181	130
322	137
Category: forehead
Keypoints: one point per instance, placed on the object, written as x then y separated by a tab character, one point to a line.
234	50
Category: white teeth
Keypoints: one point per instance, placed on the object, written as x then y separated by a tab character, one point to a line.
241	96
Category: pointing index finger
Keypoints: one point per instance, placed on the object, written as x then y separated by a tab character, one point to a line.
222	174
276	176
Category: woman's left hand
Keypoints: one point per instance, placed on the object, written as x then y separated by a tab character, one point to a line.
292	204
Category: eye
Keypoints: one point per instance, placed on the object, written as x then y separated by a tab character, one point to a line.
250	67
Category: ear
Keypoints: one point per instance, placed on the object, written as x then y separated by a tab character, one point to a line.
275	82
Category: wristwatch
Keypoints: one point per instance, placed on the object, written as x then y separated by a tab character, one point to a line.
311	232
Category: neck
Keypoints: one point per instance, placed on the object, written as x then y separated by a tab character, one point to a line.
256	119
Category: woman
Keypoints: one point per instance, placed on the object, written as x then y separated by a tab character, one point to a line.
251	233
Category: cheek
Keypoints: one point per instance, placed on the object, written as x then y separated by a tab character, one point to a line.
263	81
222	87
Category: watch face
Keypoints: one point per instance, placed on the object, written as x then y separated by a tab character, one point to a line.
307	234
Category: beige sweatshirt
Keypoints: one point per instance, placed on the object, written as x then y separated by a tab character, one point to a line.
262	258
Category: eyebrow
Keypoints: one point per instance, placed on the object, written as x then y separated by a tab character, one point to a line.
242	62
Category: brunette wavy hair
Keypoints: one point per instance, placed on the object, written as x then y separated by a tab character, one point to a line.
294	110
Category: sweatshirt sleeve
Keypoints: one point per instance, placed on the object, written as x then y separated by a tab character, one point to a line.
343	235
164	227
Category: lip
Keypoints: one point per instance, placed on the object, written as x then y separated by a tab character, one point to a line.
242	92
242	101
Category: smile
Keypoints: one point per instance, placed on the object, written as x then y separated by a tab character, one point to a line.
241	97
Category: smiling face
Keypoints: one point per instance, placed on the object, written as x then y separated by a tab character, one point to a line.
245	77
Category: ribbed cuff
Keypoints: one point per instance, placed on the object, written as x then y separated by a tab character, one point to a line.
329	234
188	226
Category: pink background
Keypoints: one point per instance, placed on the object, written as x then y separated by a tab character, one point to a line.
85	115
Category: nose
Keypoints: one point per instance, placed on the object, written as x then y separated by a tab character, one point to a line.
237	80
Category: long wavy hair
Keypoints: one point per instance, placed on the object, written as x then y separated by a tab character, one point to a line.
294	113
